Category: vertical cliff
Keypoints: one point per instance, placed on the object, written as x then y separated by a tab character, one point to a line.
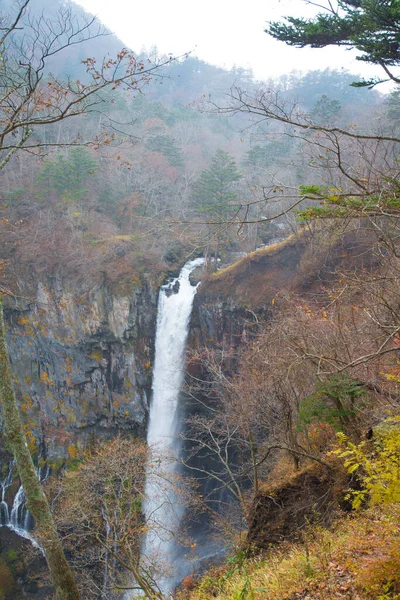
82	363
232	302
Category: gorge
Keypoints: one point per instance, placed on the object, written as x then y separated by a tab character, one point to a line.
221	428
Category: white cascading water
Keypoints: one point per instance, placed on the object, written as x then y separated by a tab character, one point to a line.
5	484
162	508
19	520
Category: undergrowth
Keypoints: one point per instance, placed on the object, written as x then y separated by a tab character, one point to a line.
359	560
242	263
356	559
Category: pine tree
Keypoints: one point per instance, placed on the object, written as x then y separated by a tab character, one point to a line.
325	110
67	176
165	144
214	192
370	26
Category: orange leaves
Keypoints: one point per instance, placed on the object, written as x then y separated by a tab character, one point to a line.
306	310
121	55
44	378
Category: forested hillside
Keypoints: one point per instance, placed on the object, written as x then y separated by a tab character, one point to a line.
117	170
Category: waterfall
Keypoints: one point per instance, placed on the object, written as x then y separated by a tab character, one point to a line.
20	519
17	519
5	484
162	508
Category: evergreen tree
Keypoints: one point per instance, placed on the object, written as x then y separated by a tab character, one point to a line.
67	176
165	144
326	110
392	105
370	26
214	192
258	156
270	153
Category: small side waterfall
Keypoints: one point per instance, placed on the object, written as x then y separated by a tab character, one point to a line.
5	484
162	507
19	519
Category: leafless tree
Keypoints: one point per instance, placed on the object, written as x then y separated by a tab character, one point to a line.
99	511
30	100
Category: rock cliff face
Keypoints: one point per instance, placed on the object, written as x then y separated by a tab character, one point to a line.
283	511
222	323
82	360
82	364
233	301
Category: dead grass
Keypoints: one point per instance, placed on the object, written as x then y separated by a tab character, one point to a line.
240	265
358	559
113	238
255	279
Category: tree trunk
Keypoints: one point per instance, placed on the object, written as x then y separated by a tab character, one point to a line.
37	503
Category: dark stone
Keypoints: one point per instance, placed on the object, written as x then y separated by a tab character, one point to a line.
281	513
83	363
172	288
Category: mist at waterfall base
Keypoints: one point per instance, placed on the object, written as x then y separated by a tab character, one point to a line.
163	507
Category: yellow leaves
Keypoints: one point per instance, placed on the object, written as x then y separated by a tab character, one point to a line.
377	464
73	452
23	321
32	445
97	355
44	378
394	374
30	439
391	376
306	310
353	467
275	298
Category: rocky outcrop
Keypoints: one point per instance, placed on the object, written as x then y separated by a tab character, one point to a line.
232	301
283	511
82	363
23	570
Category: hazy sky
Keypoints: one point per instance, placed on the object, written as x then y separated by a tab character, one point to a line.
221	32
